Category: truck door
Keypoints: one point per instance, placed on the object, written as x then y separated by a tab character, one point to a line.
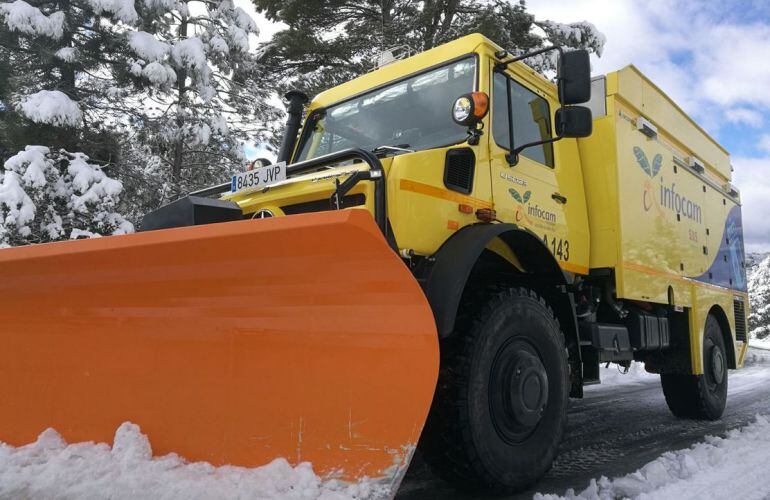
528	193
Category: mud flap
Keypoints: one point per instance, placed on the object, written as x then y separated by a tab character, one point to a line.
302	337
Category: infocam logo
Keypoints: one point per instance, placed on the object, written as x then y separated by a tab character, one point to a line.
531	210
667	195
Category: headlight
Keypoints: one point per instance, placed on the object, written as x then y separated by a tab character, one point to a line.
461	111
469	109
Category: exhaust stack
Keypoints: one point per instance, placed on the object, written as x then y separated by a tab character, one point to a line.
296	100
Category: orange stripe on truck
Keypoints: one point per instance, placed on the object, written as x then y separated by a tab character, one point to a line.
444	194
573	268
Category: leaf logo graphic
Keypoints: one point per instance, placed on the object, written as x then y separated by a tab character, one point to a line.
518	197
641	158
656	164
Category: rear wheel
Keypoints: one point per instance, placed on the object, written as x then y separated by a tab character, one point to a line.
500	406
701	396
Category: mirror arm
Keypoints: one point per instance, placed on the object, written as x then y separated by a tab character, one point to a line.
513	156
474	133
501	54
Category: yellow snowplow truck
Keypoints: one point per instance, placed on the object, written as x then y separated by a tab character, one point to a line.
446	251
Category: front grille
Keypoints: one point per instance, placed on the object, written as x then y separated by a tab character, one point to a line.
740	320
351	200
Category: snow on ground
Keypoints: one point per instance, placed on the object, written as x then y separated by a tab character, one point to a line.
50	468
616	375
733	466
759	353
755	356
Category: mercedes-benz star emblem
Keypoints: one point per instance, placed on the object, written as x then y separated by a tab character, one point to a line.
263	214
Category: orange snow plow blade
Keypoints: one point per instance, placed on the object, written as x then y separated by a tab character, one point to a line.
303	337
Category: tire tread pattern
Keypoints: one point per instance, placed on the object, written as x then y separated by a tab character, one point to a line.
447	444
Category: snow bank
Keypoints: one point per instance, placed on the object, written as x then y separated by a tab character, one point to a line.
21	16
52	107
757	356
763	343
50	468
614	375
730	467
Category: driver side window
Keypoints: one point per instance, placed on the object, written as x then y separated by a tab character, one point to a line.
528	115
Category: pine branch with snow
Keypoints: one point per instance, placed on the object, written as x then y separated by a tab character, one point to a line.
49	196
170	83
199	68
51	107
326	43
23	17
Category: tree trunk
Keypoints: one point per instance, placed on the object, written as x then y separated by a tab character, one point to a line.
178	150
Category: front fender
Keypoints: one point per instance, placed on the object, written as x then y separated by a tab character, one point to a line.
455	259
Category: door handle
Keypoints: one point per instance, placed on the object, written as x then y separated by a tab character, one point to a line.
559	198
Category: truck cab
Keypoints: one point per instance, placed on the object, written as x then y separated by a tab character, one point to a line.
437	180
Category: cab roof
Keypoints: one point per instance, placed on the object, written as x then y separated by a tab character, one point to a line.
399	69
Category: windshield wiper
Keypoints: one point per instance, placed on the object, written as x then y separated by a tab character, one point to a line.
399	148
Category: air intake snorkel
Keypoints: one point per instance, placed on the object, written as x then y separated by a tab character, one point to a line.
296	100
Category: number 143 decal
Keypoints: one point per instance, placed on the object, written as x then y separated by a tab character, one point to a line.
559	247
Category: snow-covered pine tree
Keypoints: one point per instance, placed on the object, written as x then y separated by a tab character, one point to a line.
163	92
759	298
48	196
59	55
329	42
198	67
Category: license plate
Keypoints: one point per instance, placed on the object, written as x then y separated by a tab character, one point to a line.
258	178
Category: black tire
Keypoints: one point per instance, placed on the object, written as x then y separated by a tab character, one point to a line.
500	407
701	397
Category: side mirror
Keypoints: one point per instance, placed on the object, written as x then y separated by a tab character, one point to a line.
574	77
469	109
573	121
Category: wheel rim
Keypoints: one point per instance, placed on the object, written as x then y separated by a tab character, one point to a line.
717	365
518	389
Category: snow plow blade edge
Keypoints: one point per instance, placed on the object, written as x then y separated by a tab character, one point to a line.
303	337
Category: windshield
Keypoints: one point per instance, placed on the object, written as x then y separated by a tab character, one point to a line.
414	113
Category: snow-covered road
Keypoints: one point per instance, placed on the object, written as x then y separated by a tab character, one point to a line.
622	443
622	425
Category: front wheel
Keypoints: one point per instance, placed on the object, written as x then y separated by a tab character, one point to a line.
500	407
701	396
